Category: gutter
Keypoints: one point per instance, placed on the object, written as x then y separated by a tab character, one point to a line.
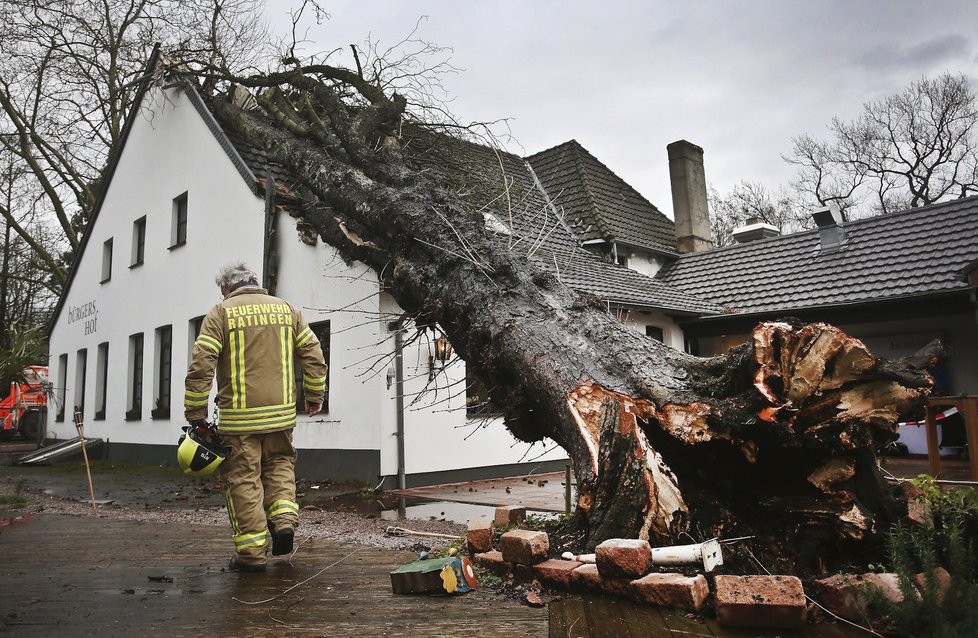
856	305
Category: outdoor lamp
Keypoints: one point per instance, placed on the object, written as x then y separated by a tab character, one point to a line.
443	349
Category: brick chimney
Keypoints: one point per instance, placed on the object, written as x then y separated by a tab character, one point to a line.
689	206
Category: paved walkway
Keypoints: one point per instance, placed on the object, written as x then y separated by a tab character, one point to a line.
72	576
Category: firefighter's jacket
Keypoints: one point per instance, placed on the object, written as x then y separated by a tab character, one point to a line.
250	339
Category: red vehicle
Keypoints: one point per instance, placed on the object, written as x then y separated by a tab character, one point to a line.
23	410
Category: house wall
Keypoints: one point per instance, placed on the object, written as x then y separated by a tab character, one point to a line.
169	151
672	334
646	263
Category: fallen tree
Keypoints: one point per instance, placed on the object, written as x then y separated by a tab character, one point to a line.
775	439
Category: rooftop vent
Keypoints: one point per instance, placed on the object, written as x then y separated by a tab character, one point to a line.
753	229
829	220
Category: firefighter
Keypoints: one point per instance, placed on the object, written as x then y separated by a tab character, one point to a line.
252	340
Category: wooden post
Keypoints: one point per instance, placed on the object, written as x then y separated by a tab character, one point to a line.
933	449
88	470
970	413
968	407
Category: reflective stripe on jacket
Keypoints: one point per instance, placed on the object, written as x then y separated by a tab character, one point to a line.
251	339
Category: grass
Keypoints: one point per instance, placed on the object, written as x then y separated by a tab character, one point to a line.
12	501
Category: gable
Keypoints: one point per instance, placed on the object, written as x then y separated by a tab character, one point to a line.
600	205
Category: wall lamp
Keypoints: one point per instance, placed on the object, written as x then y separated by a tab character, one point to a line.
443	352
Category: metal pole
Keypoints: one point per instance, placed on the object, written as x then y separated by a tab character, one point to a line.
88	470
567	489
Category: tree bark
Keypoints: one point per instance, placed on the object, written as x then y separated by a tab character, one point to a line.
775	439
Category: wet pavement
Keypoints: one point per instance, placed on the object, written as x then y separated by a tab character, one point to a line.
99	576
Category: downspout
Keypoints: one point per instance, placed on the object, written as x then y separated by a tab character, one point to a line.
269	268
399	401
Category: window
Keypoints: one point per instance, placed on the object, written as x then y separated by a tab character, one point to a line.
178	232
321	330
106	260
478	399
62	387
101	379
134	401
81	362
138	242
193	331
655	332
164	372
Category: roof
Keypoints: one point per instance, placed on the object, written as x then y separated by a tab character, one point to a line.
540	227
537	226
916	252
598	204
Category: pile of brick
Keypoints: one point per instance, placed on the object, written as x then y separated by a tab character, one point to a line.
623	567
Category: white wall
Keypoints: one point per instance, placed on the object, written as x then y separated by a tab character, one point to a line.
169	151
646	263
672	335
438	435
316	280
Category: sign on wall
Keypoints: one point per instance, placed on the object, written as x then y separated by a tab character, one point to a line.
87	313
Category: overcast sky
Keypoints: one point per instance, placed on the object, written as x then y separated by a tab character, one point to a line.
625	78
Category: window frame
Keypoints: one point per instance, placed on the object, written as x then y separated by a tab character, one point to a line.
101	380
62	387
163	373
138	256
106	261
178	229
81	371
134	387
322	330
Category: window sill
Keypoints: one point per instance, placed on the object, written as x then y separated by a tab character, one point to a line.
136	265
59	418
134	415
160	413
175	246
105	281
99	416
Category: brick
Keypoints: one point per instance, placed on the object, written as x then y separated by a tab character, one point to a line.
623	558
478	538
845	594
493	562
918	509
943	582
556	572
524	546
586	578
671	590
510	515
777	602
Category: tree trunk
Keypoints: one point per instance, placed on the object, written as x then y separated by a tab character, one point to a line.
774	439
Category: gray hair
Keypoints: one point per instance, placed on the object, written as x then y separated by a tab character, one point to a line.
233	276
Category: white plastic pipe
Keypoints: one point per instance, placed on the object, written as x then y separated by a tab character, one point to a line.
709	553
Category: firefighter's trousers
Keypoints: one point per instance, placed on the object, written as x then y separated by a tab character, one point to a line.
259	478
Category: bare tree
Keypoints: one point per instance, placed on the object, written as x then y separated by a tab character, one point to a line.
753	200
910	149
68	75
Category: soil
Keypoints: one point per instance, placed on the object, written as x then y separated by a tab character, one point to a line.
151	493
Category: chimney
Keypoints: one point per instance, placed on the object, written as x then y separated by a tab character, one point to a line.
830	231
754	229
689	206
